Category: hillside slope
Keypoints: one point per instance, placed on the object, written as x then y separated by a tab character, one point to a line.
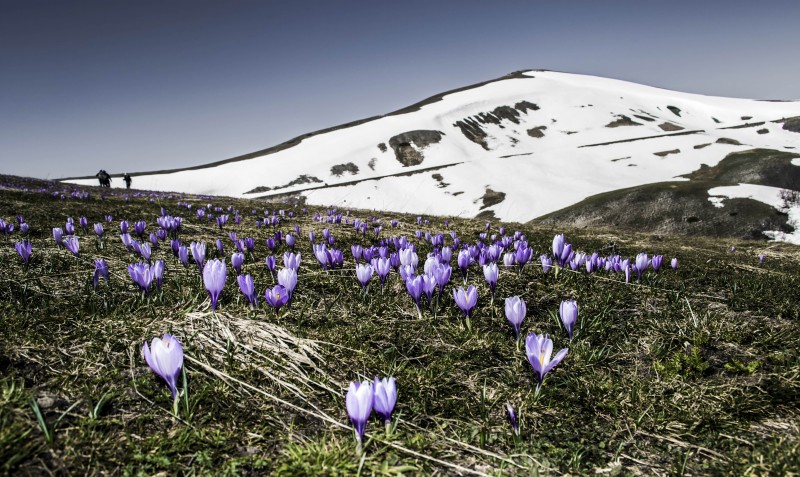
515	148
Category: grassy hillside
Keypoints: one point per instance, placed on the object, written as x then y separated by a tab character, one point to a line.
683	208
693	371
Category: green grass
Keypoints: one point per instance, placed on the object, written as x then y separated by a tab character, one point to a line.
689	372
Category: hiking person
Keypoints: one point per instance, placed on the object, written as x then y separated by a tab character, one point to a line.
128	180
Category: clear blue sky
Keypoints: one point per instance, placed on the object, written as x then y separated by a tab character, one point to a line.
143	85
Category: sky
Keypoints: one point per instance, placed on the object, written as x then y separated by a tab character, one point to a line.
143	85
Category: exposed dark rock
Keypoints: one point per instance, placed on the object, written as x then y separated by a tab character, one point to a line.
622	121
726	140
371	162
763	131
438	178
537	132
382	147
792	124
675	110
491	197
666	153
472	131
457	193
471	127
525	106
486	215
644	118
715	120
303	179
701	146
745	118
340	169
668	126
407	154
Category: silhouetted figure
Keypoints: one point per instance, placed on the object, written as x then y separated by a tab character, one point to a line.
128	180
104	178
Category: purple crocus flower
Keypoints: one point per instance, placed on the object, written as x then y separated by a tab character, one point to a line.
248	289
761	258
58	236
383	267
84	223
100	270
463	261
508	259
674	263
515	313
512	418
428	286
158	273
270	262
290	241
287	277
183	255
547	263
72	245
165	358
522	256
539	350
641	264
123	227
69	228
199	254
138	227
490	272
357	250
145	251
466	300
214	275
141	275
292	260
98	230
414	288
220	246
364	274
237	259
385	391
359	401
277	296
24	249
656	262
569	315
23	228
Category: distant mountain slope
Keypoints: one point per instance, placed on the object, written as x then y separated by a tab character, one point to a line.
515	148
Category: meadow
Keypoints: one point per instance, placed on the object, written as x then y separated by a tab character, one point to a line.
686	371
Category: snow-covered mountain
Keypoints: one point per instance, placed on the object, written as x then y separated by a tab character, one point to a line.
518	147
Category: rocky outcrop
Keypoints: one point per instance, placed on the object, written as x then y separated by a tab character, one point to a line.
408	146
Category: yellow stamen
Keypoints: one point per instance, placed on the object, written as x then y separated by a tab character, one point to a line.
541	359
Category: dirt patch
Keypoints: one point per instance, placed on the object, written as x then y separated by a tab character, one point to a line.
667	153
303	179
411	155
668	126
675	110
537	132
340	169
727	140
622	121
